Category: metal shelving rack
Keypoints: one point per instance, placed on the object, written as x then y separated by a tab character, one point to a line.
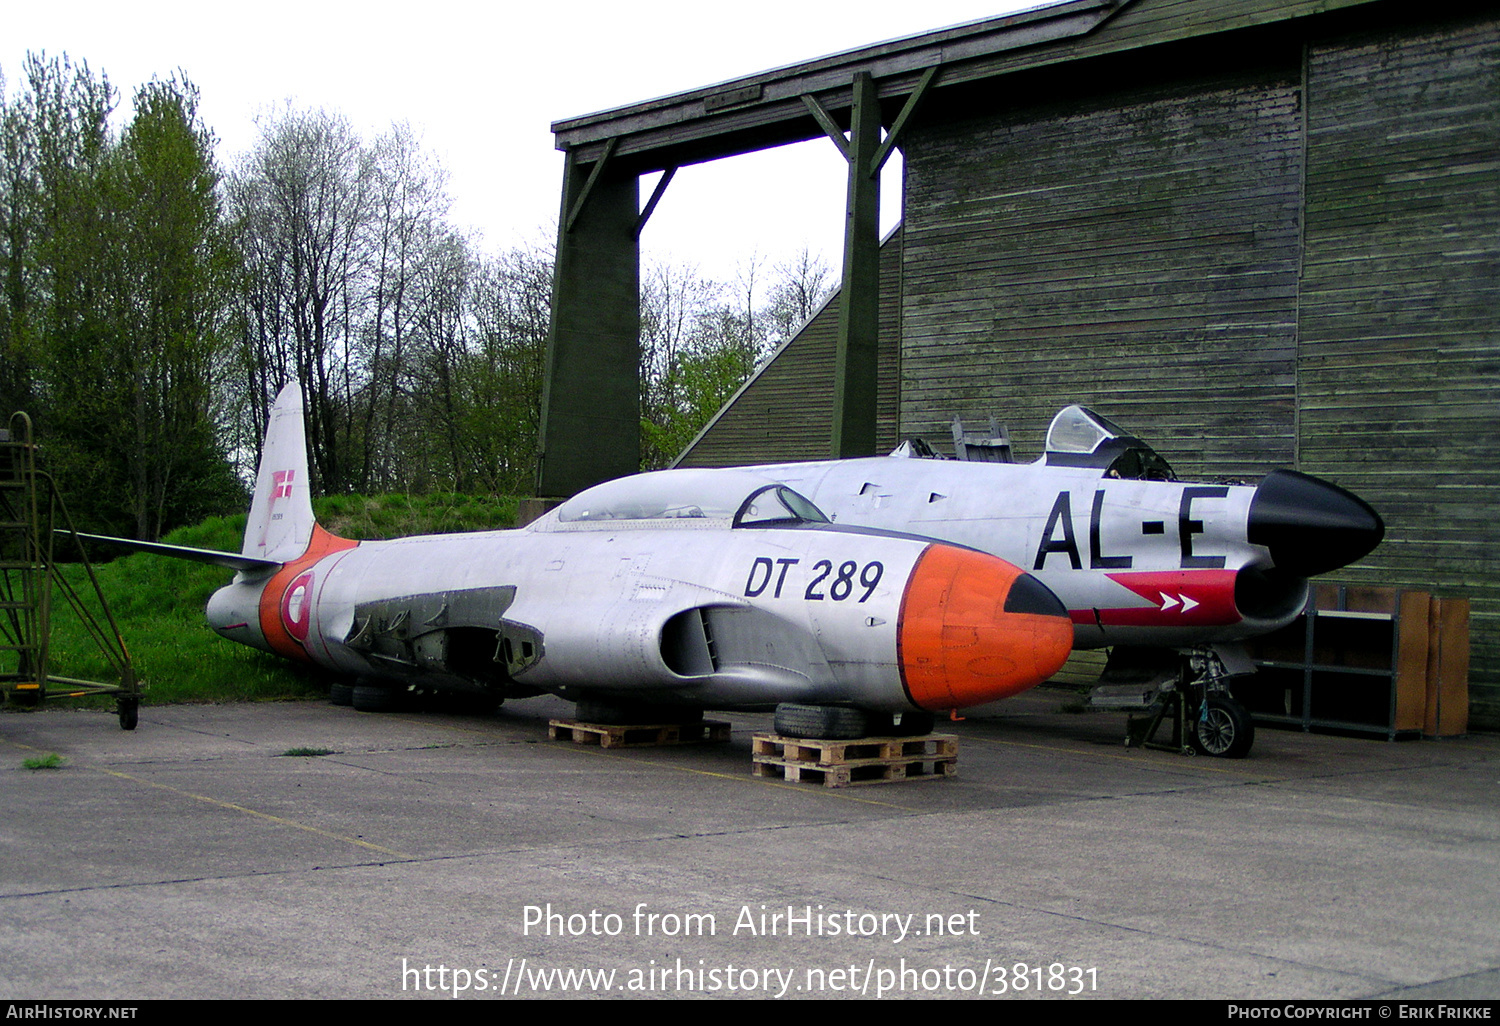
1356	661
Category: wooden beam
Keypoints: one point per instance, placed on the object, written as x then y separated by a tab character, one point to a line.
829	125
583	197
913	101
656	194
591	419
855	373
766	109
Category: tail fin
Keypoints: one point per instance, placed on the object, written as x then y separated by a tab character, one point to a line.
281	515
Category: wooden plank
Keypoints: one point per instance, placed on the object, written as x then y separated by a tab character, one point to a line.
1447	711
847	763
643	735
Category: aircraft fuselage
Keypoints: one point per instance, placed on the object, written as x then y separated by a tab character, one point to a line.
679	611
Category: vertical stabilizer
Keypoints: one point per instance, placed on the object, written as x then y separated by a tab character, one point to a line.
281	515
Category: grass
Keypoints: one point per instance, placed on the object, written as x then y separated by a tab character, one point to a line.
396	516
49	761
309	753
158	603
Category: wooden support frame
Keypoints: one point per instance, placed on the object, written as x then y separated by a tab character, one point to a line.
656	195
825	121
913	101
588	187
855	373
615	147
856	379
591	420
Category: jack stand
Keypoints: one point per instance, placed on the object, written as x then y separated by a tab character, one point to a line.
1140	732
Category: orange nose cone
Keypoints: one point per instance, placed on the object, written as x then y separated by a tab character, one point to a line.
975	629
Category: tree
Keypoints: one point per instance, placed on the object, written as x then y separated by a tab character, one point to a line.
142	293
359	289
116	280
53	138
805	283
701	339
493	396
176	306
671	299
19	226
299	203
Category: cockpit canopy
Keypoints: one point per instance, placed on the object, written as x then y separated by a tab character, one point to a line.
690	498
1079	437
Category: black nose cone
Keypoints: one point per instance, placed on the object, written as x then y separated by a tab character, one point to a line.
1311	526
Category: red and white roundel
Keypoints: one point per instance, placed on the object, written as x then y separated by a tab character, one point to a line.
296	606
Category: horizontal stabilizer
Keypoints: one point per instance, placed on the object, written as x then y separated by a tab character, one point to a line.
231	560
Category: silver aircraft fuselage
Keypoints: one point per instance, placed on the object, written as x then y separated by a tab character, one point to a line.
1145	561
643	590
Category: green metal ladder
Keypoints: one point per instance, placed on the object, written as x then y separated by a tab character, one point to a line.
31	513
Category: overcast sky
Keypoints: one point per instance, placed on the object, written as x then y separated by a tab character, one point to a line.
481	84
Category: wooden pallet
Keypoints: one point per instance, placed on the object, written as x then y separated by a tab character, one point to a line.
645	735
866	760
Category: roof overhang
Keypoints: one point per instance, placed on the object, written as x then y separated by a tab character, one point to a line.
766	109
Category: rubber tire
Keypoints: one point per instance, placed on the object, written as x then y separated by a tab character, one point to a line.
130	709
628	714
341	694
1224	730
373	698
825	722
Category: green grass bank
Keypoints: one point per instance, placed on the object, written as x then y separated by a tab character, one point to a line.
158	602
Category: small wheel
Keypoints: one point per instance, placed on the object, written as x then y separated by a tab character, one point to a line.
130	709
826	722
341	694
1223	728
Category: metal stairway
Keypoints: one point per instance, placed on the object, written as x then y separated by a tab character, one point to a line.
32	515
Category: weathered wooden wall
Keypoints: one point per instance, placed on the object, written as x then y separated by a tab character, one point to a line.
1399	338
1134	251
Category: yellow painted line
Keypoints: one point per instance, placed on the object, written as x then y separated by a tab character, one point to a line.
261	815
233	807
